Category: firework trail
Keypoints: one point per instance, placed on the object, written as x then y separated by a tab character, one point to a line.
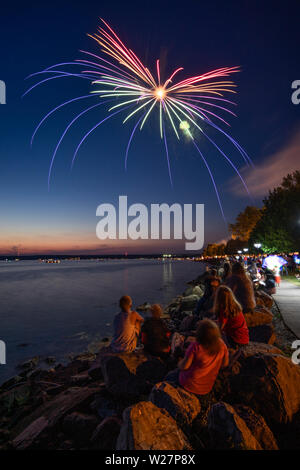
187	106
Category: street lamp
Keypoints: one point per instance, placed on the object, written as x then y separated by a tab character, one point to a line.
257	245
245	249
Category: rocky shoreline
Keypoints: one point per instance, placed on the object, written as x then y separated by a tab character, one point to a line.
121	401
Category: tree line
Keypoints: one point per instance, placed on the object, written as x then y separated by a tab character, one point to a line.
275	226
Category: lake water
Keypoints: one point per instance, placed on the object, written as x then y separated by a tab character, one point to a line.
57	309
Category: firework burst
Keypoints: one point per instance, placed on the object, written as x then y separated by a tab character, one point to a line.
187	105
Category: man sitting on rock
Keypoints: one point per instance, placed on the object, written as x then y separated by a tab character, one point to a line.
241	285
127	327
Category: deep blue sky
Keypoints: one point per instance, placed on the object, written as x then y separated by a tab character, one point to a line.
261	38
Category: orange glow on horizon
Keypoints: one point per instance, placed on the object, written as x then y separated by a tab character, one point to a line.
31	246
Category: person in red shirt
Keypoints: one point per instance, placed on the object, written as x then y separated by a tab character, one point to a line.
203	359
198	370
230	316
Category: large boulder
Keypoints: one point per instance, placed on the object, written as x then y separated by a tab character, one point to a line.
269	384
30	431
228	430
131	375
254	348
31	436
79	426
180	404
189	302
104	406
262	334
258	427
263	299
193	290
106	434
260	316
95	371
147	427
223	384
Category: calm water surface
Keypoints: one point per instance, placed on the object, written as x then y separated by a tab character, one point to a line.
54	310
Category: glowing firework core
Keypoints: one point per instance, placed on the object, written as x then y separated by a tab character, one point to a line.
184	126
160	93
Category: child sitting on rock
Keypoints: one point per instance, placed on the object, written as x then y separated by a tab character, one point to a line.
198	370
229	314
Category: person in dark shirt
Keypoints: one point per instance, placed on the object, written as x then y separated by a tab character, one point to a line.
242	287
226	271
155	334
205	305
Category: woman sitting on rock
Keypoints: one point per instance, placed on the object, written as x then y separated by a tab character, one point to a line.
231	318
155	334
127	327
241	285
203	359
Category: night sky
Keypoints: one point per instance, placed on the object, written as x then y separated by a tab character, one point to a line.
261	38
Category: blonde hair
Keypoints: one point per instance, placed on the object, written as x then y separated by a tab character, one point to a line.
226	302
209	336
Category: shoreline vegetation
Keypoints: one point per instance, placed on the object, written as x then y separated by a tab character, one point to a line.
108	401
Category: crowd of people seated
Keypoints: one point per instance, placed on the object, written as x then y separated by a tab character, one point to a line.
220	324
